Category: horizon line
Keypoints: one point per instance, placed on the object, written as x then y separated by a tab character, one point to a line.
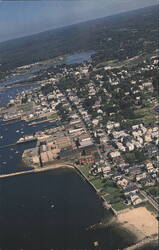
75	23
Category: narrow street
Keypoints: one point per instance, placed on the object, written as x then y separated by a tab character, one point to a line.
150	199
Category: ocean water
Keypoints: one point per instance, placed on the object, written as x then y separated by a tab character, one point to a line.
54	210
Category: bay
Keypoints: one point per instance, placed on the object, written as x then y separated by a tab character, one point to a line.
53	210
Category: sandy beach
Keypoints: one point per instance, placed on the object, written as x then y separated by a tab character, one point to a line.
139	221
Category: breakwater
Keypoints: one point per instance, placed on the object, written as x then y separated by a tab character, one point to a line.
37	170
7	146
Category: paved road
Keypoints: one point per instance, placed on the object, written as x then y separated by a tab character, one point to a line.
150	199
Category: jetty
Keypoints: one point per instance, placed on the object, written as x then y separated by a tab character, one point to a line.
20	141
8	146
38	170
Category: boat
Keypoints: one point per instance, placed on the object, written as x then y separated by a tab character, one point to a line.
26	139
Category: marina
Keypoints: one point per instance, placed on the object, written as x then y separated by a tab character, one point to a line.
10	134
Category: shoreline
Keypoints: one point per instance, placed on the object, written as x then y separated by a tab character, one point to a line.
48	63
138	221
19	84
132	229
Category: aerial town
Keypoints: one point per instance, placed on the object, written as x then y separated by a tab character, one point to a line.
79	127
106	125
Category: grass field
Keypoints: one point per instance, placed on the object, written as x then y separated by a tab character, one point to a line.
146	116
110	191
112	63
119	206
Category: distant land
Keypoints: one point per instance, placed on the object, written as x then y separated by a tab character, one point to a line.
105	35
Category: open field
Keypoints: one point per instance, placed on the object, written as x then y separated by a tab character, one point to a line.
144	115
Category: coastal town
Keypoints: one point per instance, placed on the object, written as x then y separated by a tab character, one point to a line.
106	125
79	126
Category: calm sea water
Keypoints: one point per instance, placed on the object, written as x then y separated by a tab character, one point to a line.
53	210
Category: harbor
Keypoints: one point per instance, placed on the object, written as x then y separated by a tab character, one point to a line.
51	190
10	150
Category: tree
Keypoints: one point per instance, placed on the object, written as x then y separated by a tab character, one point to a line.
130	157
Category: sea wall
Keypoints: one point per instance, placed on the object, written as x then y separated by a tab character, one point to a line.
105	203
